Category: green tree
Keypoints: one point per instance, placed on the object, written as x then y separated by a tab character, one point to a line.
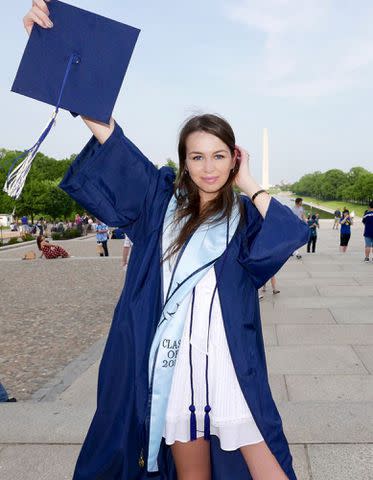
172	164
41	195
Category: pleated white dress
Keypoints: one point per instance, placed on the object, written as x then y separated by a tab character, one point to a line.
230	417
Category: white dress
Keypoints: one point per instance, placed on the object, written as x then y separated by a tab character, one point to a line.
230	417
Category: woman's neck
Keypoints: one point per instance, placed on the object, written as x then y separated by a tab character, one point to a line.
205	198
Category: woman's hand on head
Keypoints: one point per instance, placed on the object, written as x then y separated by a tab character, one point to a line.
243	174
39	13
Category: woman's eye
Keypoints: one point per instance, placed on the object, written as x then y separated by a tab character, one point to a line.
219	157
197	157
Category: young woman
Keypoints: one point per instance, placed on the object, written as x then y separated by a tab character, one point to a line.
50	250
183	387
345	222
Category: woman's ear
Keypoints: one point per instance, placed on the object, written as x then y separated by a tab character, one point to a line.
236	158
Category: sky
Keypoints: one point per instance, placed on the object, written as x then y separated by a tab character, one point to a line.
301	68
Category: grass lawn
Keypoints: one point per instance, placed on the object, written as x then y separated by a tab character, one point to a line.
334	204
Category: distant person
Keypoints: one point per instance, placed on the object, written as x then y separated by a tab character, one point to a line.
345	223
275	290
298	210
127	244
85	223
78	222
24	225
90	224
102	235
337	217
50	250
313	225
40	226
368	231
60	226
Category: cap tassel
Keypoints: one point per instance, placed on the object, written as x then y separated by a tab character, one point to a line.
206	434
193	423
192	408
16	177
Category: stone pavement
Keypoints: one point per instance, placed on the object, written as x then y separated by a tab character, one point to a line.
319	343
52	311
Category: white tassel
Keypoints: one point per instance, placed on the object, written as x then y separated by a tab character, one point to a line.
17	177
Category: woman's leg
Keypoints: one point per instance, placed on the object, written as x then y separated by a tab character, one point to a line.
308	246
192	459
341	244
348	236
62	252
314	244
261	462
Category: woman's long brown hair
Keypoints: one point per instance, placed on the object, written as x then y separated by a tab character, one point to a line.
186	191
39	239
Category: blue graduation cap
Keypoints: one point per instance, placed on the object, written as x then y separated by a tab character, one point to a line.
78	65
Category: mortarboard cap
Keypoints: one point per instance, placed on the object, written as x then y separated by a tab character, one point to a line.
79	65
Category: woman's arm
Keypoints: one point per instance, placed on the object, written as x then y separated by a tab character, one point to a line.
248	185
268	243
100	130
272	233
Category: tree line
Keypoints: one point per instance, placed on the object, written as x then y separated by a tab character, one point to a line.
41	196
355	186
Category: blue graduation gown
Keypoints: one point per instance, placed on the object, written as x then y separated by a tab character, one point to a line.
121	187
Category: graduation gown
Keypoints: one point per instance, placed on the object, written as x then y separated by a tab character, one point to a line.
120	186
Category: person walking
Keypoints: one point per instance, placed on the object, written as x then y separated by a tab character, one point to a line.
345	232
337	217
78	223
102	235
24	228
298	210
275	290
368	231
313	225
85	223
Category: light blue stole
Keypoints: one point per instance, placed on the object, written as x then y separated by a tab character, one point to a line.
199	254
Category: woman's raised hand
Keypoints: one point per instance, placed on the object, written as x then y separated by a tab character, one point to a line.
246	183
39	13
243	174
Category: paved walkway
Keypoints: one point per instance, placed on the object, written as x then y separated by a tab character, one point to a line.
319	342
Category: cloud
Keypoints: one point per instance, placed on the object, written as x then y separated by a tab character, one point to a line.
307	48
279	16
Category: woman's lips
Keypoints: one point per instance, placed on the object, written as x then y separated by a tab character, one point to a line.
209	179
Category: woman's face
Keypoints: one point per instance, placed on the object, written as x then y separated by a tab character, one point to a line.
209	162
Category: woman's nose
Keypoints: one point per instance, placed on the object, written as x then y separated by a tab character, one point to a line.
209	165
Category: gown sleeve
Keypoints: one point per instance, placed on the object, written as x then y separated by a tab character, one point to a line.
269	242
116	183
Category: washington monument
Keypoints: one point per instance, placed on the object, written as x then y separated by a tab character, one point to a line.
265	166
